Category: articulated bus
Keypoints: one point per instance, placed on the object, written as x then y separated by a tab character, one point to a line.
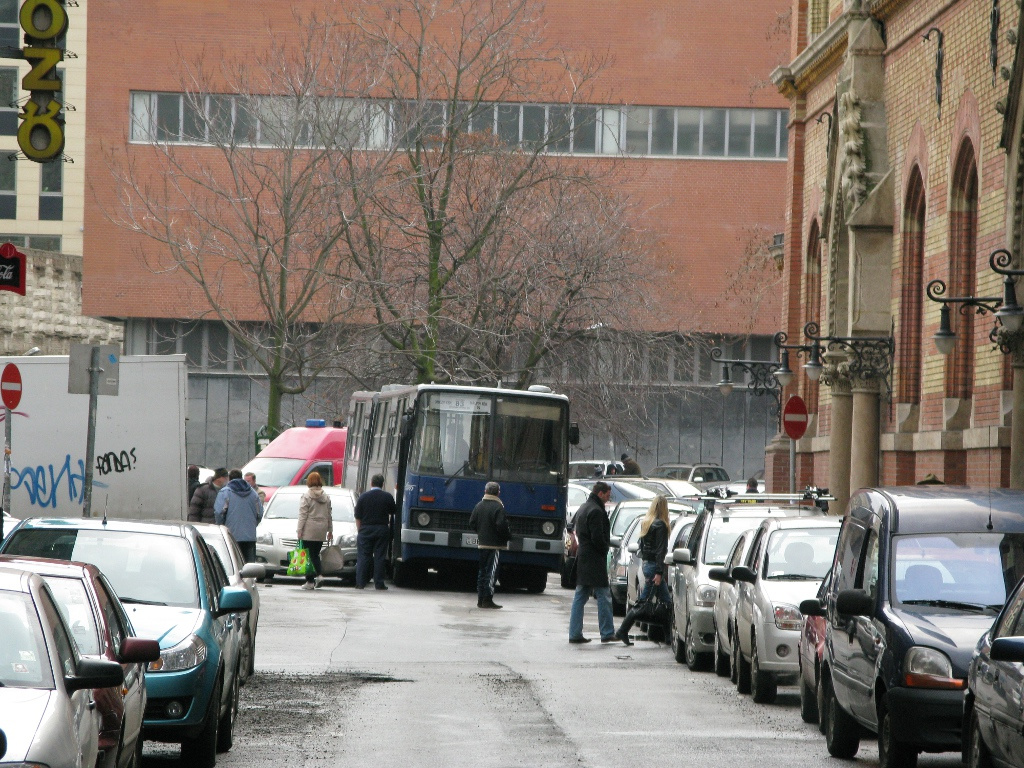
437	446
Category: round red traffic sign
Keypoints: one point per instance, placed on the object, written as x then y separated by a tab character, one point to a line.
10	386
794	417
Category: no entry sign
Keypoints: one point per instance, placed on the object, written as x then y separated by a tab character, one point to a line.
794	417
10	386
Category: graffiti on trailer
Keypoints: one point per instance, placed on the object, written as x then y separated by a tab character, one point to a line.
45	484
124	461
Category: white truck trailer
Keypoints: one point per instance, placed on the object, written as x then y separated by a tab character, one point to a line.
139	466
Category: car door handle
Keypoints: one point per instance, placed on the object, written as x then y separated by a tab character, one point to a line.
91	704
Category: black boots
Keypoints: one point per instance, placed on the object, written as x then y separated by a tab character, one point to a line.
486	602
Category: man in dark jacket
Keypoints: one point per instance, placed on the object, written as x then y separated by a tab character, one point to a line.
493	534
629	466
200	508
374	510
594	535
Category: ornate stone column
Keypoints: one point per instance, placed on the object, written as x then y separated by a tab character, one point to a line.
865	434
1017	424
840	441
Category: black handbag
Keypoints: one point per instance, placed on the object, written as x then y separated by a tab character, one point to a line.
653	611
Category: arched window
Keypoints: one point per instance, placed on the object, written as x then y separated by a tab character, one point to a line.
908	388
812	303
963	239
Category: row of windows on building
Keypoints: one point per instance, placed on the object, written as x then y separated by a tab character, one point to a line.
557	128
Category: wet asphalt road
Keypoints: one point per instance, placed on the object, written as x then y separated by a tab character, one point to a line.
424	678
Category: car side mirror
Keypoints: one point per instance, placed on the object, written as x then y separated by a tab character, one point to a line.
136	650
744	574
614	541
698	479
854	602
682	556
574	433
633	548
253	571
95	673
669	560
812	607
720	574
1007	649
234	600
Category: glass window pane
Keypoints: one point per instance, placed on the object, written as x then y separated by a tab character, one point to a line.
508	123
611	126
584	130
765	132
433	121
219	119
713	133
482	119
192	343
142	117
194	118
8	206
8	86
245	123
164	339
784	133
50	176
662	130
45	243
559	128
51	207
533	126
168	118
637	124
739	132
9	11
7	174
217	346
688	132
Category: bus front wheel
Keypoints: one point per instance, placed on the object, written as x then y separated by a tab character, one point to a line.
536	581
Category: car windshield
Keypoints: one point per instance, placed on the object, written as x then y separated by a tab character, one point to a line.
73	602
800	553
960	571
575	500
142	567
273	472
626	516
722	534
286	506
24	662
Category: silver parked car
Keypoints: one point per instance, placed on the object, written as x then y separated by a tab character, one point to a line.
725	605
787	562
276	533
47	710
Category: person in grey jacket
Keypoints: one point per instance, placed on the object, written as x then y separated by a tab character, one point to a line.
315	525
238	507
201	505
493	534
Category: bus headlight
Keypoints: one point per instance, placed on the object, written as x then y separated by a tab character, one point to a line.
423	518
548	528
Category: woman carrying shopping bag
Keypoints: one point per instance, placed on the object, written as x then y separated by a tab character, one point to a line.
653	548
315	525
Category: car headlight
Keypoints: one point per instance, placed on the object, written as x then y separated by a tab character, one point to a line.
548	528
347	540
189	653
706	596
788	617
929	668
423	519
265	538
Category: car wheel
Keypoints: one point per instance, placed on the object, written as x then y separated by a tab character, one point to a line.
808	701
536	581
201	751
565	581
136	761
763	685
269	577
721	660
697	662
978	755
734	664
245	662
252	656
842	733
893	753
678	644
225	735
742	666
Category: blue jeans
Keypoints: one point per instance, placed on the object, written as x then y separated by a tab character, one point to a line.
651	568
605	622
371	546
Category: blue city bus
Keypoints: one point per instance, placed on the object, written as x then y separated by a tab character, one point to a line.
438	445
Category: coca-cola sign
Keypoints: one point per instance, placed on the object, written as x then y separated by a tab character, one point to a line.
12	269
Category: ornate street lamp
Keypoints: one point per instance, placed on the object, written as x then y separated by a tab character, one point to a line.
869	357
762	377
785	374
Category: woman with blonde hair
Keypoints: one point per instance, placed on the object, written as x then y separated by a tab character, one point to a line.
315	525
653	548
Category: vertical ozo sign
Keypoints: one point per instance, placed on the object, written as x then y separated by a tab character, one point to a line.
41	133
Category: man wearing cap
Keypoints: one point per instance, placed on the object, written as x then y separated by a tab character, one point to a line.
629	465
200	508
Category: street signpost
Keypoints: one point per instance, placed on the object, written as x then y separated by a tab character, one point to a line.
10	393
794	424
92	370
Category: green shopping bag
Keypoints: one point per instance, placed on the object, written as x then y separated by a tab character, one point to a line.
298	560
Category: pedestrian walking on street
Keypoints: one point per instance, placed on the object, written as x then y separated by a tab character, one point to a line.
238	507
315	525
201	505
493	534
250	478
653	548
629	466
375	510
594	535
191	481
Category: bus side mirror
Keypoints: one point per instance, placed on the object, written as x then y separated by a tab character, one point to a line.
574	434
406	426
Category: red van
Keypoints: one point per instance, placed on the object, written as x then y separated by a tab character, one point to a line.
296	452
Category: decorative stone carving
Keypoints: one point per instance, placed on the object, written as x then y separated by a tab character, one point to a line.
853	176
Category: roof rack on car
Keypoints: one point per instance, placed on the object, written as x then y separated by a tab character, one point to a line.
820	497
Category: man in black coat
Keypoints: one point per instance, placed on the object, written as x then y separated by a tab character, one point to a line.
593	532
493	534
374	512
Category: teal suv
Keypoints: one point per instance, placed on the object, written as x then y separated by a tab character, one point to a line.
175	591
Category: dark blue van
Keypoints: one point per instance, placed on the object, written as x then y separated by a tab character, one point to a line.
919	576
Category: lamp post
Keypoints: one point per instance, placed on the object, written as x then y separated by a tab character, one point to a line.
762	377
785	377
1005	335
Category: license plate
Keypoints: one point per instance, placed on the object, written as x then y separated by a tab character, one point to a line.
469	540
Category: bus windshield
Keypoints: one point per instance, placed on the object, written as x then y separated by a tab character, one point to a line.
508	438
